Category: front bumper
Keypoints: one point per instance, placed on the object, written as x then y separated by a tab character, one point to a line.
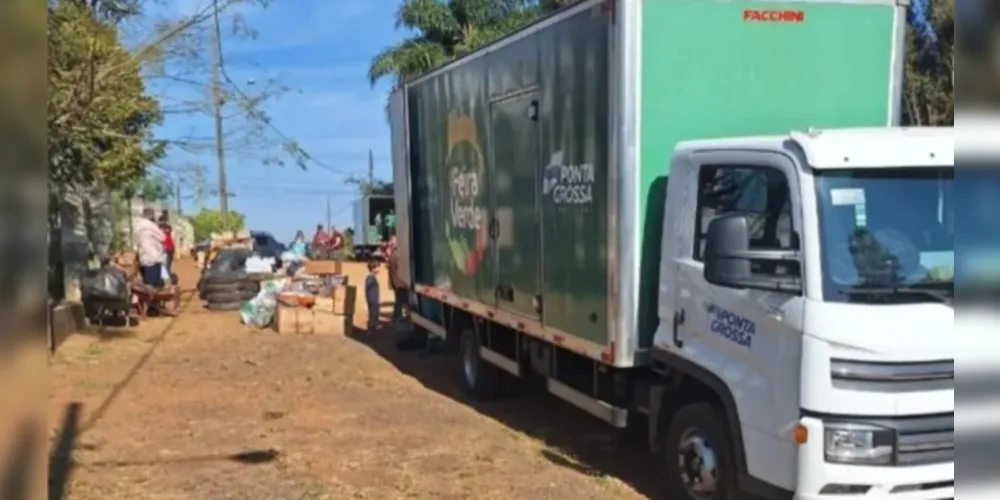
918	482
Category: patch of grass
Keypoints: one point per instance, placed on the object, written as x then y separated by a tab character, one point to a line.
94	349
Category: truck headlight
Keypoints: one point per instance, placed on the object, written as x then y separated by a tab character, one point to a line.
858	444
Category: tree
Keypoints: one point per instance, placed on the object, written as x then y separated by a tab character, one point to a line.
929	80
100	118
447	29
209	221
154	188
370	187
180	65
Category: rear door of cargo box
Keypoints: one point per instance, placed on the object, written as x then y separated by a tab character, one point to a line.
735	68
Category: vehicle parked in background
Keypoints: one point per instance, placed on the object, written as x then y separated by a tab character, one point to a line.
370	213
265	245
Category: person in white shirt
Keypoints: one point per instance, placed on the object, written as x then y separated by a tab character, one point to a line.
149	246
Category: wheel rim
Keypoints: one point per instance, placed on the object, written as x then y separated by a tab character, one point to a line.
469	364
696	463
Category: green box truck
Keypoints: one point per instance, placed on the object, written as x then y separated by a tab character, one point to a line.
549	190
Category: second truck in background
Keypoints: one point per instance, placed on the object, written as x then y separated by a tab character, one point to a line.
372	215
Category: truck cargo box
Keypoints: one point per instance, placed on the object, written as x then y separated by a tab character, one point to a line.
535	169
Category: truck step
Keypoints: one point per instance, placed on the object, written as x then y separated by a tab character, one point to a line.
613	415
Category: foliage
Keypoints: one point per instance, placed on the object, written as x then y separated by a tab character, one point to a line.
929	81
370	187
100	118
152	187
180	64
447	29
209	221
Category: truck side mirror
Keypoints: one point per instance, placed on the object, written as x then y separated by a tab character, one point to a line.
727	237
729	261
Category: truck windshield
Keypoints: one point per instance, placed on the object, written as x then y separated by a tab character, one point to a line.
887	235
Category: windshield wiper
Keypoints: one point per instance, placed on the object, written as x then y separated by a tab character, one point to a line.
943	292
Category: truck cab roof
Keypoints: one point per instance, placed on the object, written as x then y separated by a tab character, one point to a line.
852	148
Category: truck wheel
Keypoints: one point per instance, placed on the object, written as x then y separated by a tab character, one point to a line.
480	379
698	455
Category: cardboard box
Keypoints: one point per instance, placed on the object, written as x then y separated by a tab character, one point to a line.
342	302
289	319
323	267
327	323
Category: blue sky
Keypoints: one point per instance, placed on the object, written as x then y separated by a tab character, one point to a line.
320	50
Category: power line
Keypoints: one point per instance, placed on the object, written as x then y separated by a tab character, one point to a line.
274	128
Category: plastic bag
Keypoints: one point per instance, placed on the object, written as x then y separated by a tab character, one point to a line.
105	284
258	264
258	312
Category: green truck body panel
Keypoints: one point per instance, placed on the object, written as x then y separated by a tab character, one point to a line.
481	151
511	158
706	72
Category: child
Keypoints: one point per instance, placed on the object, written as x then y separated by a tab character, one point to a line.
371	295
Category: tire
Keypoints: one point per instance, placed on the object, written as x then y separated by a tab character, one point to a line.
223	297
211	288
224	306
223	277
699	422
480	379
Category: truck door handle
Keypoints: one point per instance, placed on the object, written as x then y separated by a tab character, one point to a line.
504	293
678	321
494	229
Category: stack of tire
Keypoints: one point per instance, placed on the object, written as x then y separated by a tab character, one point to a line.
225	285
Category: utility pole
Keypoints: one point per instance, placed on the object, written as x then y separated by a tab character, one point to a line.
371	172
217	111
329	223
199	187
178	188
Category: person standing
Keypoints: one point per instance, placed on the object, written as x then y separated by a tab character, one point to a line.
390	223
380	227
168	245
372	295
397	283
336	243
149	239
319	242
299	246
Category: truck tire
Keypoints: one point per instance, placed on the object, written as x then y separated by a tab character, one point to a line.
480	379
697	436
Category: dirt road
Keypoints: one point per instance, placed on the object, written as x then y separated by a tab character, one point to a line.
200	407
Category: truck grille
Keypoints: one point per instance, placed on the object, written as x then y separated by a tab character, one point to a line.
925	440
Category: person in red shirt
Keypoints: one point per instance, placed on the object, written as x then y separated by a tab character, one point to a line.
168	244
320	242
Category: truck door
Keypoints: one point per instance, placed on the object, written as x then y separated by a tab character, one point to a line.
514	228
750	339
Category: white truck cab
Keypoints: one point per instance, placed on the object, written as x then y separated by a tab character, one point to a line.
811	275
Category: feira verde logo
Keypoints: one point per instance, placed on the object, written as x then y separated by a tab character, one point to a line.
466	228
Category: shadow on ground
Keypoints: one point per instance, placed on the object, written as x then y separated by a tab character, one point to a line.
573	438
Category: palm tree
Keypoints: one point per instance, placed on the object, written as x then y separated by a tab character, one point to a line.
446	29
